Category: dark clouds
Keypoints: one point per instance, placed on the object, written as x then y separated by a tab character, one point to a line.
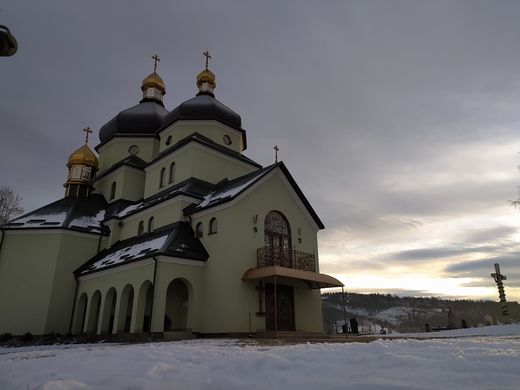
389	114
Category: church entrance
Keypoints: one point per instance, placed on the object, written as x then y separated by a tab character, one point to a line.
177	300
279	300
277	238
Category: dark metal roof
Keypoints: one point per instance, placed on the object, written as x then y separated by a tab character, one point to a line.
175	240
79	214
141	120
226	191
191	187
202	140
205	107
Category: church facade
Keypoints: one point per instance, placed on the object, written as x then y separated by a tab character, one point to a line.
170	228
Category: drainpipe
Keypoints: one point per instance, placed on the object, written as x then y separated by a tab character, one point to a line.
154	290
2	239
74	304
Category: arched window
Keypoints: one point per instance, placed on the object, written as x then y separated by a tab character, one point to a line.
172	173
140	229
161	179
113	190
277	238
199	230
150	225
213	226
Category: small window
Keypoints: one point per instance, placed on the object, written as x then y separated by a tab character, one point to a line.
140	229
150	225
172	173
213	227
113	190
199	230
161	178
169	140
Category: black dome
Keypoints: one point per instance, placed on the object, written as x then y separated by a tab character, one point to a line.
142	119
203	107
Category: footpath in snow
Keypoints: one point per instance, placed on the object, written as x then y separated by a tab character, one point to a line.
490	360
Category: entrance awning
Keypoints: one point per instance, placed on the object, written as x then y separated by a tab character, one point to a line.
314	279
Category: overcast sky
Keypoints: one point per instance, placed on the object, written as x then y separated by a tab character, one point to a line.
400	120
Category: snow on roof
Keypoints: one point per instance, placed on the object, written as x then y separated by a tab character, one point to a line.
88	222
152	200
33	220
128	253
231	190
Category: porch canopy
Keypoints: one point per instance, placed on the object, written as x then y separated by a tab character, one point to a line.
314	279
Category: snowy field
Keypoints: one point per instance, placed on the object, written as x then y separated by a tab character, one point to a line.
490	361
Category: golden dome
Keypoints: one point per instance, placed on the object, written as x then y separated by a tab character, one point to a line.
83	156
206	76
154	81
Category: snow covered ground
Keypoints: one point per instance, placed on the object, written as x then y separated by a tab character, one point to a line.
489	361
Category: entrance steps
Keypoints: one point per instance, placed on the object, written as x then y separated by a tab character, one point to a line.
291	335
185	334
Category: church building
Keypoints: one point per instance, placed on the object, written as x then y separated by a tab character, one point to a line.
169	228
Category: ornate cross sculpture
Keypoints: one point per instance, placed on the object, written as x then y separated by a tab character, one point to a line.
499	278
88	131
156	59
206	53
276	153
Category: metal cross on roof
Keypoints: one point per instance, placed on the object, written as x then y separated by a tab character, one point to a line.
276	153
88	131
156	59
206	53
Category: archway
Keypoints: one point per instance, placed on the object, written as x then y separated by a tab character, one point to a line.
81	312
277	239
93	316
177	302
125	309
109	311
144	307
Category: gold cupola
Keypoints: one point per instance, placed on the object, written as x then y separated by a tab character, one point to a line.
153	85
206	79
82	164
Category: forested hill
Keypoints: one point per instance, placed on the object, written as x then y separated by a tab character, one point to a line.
407	314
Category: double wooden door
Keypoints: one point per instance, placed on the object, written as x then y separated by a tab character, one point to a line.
279	316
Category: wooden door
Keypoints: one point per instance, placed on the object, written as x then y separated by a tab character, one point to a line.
284	307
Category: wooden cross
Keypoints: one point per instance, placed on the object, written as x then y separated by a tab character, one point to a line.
276	153
88	131
156	59
206	53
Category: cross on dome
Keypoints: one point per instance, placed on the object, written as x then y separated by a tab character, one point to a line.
88	132
156	59
208	56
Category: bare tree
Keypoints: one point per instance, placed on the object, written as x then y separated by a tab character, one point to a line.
9	205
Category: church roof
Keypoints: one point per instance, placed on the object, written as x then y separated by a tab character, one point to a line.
202	140
141	120
192	187
227	190
72	213
205	107
175	240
